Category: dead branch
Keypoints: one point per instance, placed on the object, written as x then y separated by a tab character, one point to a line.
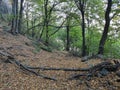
28	69
11	59
64	69
101	69
76	76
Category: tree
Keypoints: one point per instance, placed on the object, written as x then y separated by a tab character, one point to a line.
68	33
14	27
16	16
47	18
5	11
20	15
106	27
81	6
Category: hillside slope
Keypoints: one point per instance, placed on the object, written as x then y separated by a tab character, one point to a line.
13	78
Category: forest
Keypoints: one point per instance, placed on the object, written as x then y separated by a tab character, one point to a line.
60	44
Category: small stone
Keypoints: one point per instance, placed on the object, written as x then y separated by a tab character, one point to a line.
83	59
104	72
99	75
100	56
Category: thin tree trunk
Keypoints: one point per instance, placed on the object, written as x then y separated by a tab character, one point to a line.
16	17
14	26
27	18
13	18
46	22
32	23
20	16
68	38
106	28
83	35
42	31
81	7
68	33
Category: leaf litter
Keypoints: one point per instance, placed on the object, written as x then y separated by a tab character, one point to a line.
13	78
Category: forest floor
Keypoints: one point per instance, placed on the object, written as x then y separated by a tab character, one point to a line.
13	78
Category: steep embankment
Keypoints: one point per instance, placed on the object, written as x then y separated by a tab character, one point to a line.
13	78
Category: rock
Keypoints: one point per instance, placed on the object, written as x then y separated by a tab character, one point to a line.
100	56
84	59
104	72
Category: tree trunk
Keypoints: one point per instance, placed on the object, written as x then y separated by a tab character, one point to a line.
27	18
14	27
20	16
83	34
33	29
68	38
46	21
16	17
106	28
13	18
81	6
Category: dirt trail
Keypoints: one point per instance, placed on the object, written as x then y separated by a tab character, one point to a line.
12	78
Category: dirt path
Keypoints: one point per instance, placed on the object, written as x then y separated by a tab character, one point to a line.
12	78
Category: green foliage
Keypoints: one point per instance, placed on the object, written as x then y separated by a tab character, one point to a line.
112	48
75	37
38	46
56	43
61	35
46	48
63	0
93	16
92	40
75	41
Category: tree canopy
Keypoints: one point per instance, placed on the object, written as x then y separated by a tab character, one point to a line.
83	27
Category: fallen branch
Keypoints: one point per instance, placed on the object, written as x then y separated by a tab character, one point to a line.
101	69
76	76
28	69
64	69
12	60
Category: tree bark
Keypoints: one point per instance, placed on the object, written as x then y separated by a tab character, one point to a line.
27	18
68	38
106	28
46	21
16	17
20	16
68	33
13	18
14	27
83	35
81	6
